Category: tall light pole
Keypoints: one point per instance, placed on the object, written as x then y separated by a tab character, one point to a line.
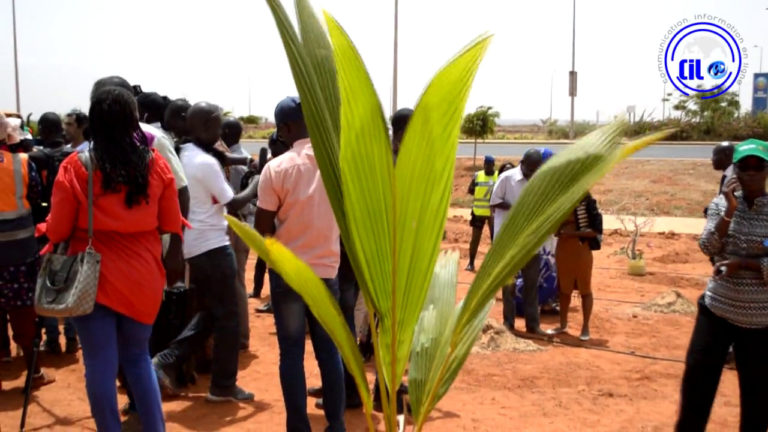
551	86
761	57
572	75
394	66
15	57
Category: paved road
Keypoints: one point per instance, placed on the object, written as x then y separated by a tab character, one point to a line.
656	151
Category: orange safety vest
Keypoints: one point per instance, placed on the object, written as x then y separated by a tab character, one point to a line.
14	182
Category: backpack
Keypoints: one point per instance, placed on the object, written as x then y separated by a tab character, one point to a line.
50	168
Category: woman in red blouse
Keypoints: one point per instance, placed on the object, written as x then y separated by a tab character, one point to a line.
135	201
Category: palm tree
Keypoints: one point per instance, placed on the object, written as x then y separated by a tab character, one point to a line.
393	222
479	125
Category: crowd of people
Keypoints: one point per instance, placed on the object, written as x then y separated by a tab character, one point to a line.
544	284
172	298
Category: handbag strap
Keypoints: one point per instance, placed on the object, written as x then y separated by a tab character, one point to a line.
86	158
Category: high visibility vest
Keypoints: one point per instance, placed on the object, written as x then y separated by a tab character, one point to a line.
483	189
15	212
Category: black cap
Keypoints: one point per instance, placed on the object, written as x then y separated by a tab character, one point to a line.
289	110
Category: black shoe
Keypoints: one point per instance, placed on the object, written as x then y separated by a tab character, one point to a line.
315	392
537	331
470	268
509	327
128	409
71	346
401	391
254	295
352	403
380	409
166	378
51	347
236	395
265	308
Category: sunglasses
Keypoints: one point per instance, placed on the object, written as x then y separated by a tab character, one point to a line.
746	166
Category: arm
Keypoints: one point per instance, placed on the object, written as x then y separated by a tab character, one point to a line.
173	261
34	190
269	203
64	203
230	159
471	189
243	198
265	222
499	191
168	210
716	229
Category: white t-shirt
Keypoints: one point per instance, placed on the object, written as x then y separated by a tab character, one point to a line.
236	173
209	192
507	189
164	145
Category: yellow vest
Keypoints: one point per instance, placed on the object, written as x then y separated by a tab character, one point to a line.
483	189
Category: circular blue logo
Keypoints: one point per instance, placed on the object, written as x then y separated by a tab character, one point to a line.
717	70
704	58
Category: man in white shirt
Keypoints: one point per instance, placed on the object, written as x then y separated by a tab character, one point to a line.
506	193
211	264
75	124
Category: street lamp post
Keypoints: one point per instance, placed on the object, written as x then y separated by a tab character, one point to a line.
15	57
572	75
761	57
394	66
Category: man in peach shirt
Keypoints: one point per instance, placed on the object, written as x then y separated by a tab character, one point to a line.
294	208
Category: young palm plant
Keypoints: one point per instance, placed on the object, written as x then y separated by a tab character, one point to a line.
392	217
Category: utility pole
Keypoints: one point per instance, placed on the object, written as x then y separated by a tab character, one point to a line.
572	75
394	66
551	86
15	57
761	57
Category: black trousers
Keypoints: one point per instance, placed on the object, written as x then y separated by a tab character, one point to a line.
712	336
213	274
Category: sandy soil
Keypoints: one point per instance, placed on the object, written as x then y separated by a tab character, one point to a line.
640	187
559	388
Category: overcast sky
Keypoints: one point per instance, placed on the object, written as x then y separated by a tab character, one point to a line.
217	51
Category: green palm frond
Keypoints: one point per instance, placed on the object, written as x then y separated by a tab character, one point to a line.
545	202
392	217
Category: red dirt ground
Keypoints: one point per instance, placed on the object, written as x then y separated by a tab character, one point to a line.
561	388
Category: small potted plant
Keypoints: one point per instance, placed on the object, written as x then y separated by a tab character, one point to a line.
636	264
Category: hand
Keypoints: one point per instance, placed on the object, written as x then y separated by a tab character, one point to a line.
174	265
727	268
730	197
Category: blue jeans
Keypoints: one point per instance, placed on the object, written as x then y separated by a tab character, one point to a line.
110	339
291	314
52	332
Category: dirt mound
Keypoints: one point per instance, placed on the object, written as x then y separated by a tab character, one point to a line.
670	302
495	338
679	257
